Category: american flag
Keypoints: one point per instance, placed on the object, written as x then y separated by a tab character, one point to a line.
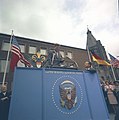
17	55
114	61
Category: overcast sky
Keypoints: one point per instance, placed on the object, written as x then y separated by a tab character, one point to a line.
63	21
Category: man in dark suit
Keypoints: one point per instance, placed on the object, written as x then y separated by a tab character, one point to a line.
117	114
4	102
117	97
88	67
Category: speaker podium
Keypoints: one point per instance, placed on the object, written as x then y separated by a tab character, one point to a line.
56	94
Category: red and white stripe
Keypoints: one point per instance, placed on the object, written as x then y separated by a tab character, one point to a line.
17	51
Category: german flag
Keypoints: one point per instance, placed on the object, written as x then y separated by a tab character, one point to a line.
99	60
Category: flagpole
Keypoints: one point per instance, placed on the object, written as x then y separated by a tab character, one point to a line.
113	73
89	54
6	66
88	48
112	69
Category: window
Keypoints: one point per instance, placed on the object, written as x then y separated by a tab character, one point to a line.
32	50
69	55
62	53
22	47
5	46
43	51
2	66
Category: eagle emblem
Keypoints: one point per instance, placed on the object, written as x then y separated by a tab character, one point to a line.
68	98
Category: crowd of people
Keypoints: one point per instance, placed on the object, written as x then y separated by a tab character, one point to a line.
111	95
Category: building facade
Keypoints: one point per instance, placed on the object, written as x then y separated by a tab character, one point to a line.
29	47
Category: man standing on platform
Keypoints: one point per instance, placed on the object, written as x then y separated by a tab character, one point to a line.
4	102
88	67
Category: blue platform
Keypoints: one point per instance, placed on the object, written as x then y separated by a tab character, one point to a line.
37	96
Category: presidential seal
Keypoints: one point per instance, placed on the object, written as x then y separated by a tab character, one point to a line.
67	94
68	98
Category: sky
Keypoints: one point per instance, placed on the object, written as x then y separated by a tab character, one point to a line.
63	21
